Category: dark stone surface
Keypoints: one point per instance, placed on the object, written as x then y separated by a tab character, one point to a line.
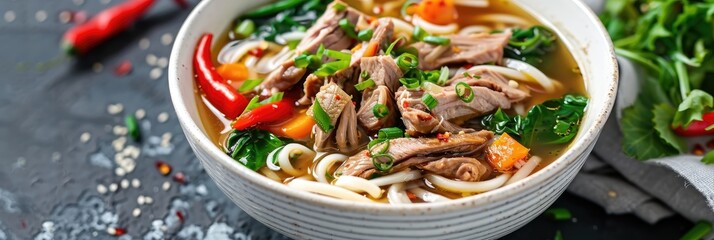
49	178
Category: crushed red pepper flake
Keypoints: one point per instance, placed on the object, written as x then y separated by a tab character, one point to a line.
257	52
180	216
117	231
163	168
443	137
698	150
405	104
411	196
179	177
337	97
123	68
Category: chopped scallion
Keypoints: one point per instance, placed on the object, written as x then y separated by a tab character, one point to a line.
465	92
249	85
365	35
383	149
374	142
380	110
390	133
699	231
302	61
329	69
321	118
364	85
273	98
364	75
467	74
245	28
339	7
383	162
410	83
429	101
407	61
132	127
348	28
419	34
338	55
320	51
392	45
443	76
559	214
254	103
434	40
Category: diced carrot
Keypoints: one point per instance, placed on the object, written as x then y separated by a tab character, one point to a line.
372	49
357	47
411	196
505	152
235	72
297	127
439	12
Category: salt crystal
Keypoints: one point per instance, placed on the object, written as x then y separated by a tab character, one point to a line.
201	190
140	200
166	39
120	172
144	44
124	184
140	113
135	183
155	73
85	137
41	16
151	59
97	67
111	231
166	186
162	62
118	144
113	187
119	130
163	117
9	16
114	109
101	189
136	212
148	200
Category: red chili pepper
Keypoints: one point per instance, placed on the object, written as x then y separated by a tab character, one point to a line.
269	113
697	127
80	39
218	92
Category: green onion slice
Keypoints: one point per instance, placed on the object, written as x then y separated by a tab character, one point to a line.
302	61
273	98
364	75
365	35
419	34
382	150
245	28
699	231
407	61
254	103
329	69
434	40
429	101
321	118
374	142
410	83
348	28
391	46
380	110
465	92
338	55
559	214
443	76
249	84
383	162
364	85
390	133
320	51
339	7
132	125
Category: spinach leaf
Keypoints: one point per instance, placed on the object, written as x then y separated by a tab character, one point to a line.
555	121
529	45
708	158
251	147
662	117
301	15
638	138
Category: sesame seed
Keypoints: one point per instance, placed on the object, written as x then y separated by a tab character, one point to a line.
155	73
166	186
140	114
144	44
111	231
612	194
166	39
151	59
118	144
41	16
114	109
101	189
124	184
119	130
148	200
113	187
202	190
162	62
163	117
65	16
97	67
135	183
136	212
120	172
9	16
85	137
140	200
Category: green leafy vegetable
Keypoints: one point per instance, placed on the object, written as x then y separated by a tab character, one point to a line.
132	126
321	118
692	108
282	17
249	85
699	231
555	121
529	45
662	118
559	214
558	235
251	147
638	139
708	158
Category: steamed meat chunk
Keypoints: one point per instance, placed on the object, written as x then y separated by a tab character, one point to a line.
345	137
461	168
404	149
473	49
327	32
491	91
383	71
370	98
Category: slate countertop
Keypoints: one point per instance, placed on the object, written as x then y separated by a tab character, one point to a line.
61	143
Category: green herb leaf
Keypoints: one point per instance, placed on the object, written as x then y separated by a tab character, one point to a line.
251	147
321	118
638	139
662	117
249	85
559	214
699	231
692	108
708	158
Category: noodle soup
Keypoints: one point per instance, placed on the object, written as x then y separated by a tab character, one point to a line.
390	101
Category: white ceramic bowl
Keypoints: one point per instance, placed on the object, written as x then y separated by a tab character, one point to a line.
489	215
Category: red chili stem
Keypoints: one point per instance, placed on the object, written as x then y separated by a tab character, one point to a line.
269	113
81	38
218	92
